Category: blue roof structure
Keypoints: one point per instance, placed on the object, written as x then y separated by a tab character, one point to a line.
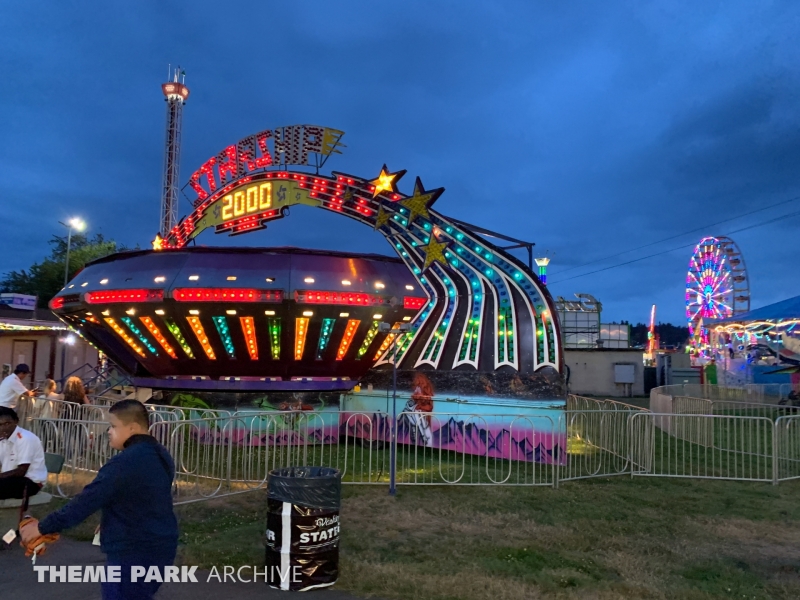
780	311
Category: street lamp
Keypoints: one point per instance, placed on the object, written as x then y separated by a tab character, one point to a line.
78	225
398	330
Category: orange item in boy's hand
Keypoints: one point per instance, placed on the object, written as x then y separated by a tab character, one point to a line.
37	544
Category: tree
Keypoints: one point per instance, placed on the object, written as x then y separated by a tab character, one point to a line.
46	279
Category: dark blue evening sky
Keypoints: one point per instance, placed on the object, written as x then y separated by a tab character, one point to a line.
590	128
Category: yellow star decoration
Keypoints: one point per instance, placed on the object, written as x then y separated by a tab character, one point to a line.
158	243
420	202
434	251
382	218
384	182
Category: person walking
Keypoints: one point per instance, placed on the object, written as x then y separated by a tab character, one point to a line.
133	491
11	388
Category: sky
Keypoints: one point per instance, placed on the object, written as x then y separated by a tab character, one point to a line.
590	128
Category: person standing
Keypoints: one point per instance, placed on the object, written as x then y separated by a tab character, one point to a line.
11	388
133	491
44	406
419	407
74	391
22	468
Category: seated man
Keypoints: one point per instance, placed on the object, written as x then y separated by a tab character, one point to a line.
21	458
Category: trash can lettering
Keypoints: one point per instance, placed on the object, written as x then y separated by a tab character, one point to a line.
302	538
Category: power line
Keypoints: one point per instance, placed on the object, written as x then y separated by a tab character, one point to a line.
786	216
591	262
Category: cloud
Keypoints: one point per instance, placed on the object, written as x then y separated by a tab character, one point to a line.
589	129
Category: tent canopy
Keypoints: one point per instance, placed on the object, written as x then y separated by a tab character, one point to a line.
780	311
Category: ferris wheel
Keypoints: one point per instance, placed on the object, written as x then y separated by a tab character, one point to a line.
717	285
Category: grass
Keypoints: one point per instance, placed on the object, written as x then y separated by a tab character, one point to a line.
602	538
598	538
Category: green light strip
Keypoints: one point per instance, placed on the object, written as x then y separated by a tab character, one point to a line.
406	342
221	323
373	331
324	336
176	333
505	335
469	343
140	335
275	337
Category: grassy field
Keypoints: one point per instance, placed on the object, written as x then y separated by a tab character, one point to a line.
603	538
599	538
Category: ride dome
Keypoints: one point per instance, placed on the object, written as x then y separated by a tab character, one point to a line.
244	315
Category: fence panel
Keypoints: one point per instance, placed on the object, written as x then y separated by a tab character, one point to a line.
599	444
200	452
83	444
739	447
477	449
787	448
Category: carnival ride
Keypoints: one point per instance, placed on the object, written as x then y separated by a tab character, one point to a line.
652	339
717	287
472	307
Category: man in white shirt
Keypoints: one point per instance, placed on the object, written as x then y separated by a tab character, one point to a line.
22	464
11	388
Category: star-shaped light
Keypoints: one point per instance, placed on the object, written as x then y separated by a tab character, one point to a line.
158	243
434	252
382	218
420	202
386	181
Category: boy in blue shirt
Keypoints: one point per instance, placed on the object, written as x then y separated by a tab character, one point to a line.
133	491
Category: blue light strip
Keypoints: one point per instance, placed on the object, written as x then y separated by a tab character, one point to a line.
324	336
135	330
221	323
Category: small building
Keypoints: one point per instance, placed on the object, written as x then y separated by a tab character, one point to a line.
605	372
597	355
35	336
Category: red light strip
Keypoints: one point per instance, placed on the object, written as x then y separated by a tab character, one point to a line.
349	298
109	296
226	295
249	330
156	333
349	332
56	303
415	303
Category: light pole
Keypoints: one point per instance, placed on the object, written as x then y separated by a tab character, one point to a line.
398	330
78	225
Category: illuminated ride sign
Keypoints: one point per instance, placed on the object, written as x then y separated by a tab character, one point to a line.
491	311
292	145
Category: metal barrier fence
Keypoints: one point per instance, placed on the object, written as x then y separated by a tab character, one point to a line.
703	446
223	453
751	392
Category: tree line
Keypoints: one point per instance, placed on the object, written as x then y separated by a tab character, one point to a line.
46	278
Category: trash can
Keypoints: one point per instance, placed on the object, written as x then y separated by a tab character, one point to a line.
303	527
